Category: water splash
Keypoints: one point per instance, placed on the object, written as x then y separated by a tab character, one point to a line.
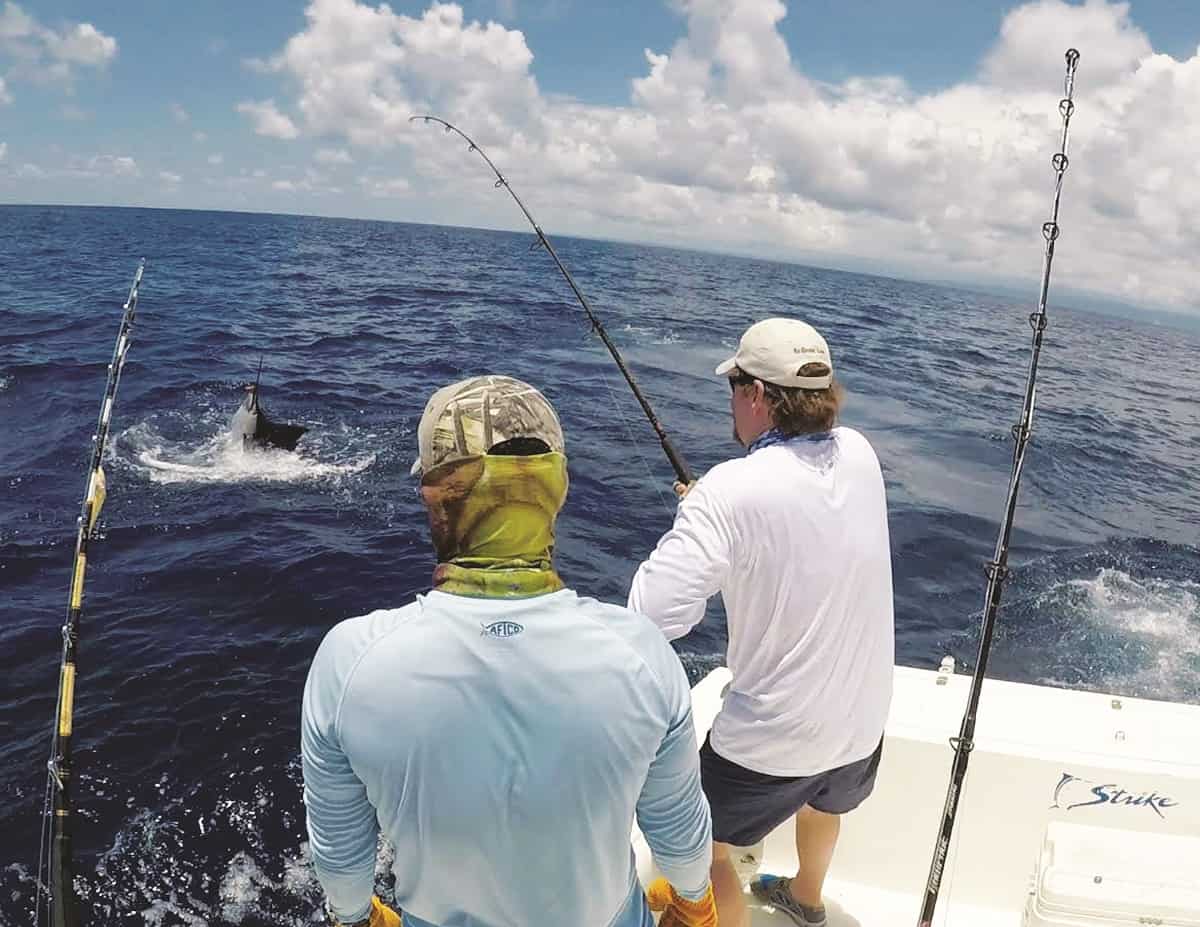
646	334
1122	618
242	888
159	883
1153	624
222	459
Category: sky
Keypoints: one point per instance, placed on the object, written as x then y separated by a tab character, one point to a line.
908	137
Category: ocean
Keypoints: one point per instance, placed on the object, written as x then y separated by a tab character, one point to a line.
217	573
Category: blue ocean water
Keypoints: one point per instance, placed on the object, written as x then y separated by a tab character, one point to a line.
217	572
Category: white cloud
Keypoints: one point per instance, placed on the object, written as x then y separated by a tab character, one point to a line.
169	177
216	159
3	150
180	114
364	70
43	55
5	96
83	44
200	137
30	172
726	142
15	23
268	120
257	65
313	181
396	186
333	156
733	51
73	113
112	165
1031	44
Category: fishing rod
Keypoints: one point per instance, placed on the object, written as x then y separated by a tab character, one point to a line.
61	905
681	468
997	568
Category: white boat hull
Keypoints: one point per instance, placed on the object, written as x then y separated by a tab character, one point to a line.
1112	777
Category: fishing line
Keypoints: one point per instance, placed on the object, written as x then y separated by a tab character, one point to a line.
633	442
682	471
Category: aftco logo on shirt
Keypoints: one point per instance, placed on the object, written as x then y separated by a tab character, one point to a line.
501	629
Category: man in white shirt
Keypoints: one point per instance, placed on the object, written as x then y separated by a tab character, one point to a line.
795	538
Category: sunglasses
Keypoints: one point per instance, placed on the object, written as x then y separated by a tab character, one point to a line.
740	379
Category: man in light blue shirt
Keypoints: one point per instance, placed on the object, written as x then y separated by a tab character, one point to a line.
501	731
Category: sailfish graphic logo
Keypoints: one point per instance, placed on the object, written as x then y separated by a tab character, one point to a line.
1066	779
1107	793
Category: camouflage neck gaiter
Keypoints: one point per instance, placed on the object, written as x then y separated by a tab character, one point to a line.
492	522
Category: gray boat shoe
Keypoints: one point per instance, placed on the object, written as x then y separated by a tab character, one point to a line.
773	890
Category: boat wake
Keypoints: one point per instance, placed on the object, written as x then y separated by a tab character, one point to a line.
1152	624
222	459
1123	617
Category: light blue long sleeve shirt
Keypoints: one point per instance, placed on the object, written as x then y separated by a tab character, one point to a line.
504	748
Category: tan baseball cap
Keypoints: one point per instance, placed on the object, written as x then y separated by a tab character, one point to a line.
467	418
775	351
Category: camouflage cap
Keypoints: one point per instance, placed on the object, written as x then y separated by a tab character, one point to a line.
468	418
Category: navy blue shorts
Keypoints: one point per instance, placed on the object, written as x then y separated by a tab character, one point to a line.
748	805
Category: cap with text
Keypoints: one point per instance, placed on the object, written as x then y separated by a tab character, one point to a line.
776	350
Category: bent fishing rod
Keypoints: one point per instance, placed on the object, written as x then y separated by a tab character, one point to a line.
997	568
60	904
677	462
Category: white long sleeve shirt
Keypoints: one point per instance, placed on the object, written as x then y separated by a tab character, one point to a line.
504	747
795	538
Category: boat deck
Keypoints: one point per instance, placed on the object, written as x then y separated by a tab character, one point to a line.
1043	756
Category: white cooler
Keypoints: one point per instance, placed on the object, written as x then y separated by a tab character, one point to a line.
1105	877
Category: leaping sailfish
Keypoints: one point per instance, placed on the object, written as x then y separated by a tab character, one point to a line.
256	428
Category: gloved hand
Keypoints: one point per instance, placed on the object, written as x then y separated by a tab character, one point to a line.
658	894
380	916
678	911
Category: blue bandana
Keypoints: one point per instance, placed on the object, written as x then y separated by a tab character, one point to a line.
775	436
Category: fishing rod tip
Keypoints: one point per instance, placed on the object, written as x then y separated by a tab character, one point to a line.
1072	56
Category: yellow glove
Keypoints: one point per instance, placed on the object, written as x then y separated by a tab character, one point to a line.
658	894
380	916
683	912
